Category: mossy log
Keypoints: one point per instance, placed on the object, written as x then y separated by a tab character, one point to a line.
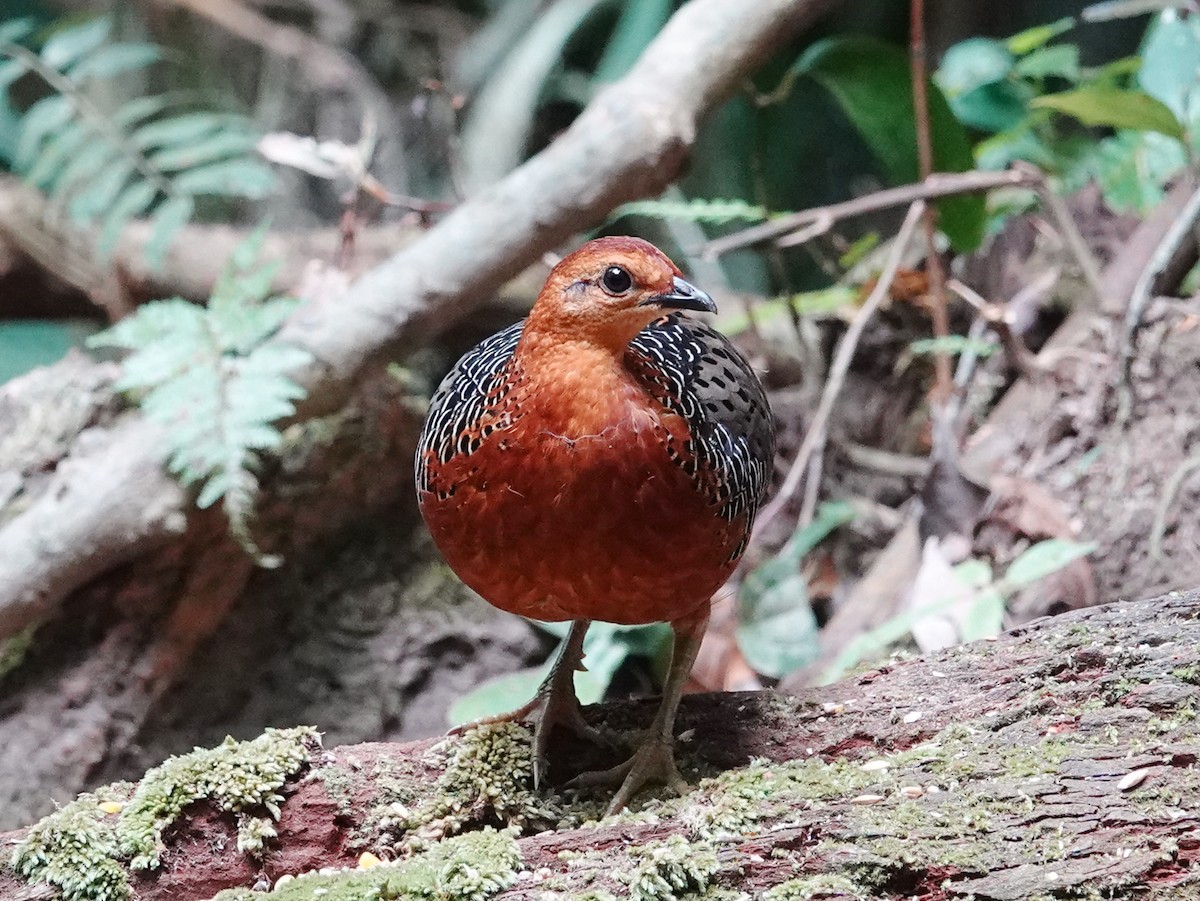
1058	761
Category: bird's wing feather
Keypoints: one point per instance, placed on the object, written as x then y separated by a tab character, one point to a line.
463	397
695	371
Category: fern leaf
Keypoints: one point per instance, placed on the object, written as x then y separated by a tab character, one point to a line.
232	178
115	59
215	147
168	219
133	201
15	30
10	71
96	162
101	192
68	44
216	382
55	154
42	119
178	130
716	212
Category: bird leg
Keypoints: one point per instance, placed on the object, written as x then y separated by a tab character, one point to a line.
555	703
654	761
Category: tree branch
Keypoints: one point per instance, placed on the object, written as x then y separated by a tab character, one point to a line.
630	142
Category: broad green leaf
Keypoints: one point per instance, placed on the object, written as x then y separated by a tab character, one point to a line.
776	629
1043	559
603	654
114	59
1131	168
1114	108
234	178
973	63
69	44
871	82
993	107
135	200
984	616
42	119
1032	38
498	695
28	343
168	219
496	133
640	21
1170	64
1058	61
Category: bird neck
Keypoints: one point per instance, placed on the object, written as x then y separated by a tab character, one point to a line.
584	382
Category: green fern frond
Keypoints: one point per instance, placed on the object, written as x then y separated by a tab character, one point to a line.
150	156
211	377
716	212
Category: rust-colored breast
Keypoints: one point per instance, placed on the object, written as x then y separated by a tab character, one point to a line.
583	495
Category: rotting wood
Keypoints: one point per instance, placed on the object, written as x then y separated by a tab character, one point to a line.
1059	760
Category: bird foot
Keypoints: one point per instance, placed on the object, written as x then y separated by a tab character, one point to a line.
654	761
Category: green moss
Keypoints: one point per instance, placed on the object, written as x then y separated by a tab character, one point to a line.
818	886
76	848
1189	674
487	777
81	849
470	867
666	870
253	833
236	777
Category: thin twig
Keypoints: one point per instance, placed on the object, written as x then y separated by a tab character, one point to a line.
1169	492
942	184
996	317
1070	231
943	382
814	441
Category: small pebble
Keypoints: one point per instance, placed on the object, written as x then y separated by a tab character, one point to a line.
877	764
912	791
866	799
1133	779
913	716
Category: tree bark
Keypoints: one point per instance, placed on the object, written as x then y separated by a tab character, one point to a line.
1059	760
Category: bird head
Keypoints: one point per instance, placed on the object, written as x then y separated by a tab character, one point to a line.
610	289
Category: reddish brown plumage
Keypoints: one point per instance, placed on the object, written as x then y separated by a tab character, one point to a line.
600	461
566	503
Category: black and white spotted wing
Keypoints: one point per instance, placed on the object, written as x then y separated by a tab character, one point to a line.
696	372
474	384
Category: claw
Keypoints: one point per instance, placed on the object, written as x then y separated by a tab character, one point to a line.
654	761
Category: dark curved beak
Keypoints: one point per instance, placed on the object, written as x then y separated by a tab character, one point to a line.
683	296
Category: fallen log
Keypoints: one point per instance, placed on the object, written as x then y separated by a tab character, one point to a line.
1059	760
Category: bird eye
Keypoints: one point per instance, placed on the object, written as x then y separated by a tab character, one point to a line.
616	280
